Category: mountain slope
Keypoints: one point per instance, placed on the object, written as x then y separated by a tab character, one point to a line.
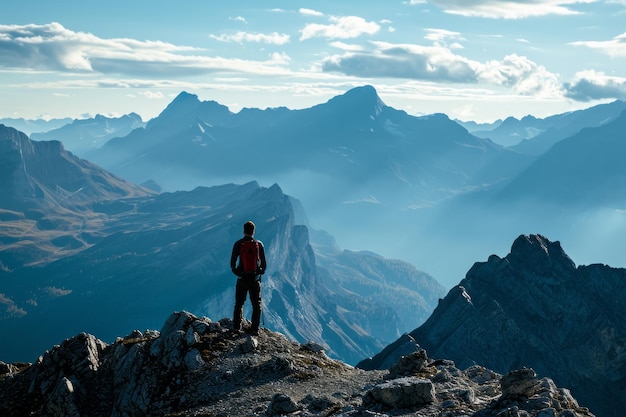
43	172
121	255
47	199
171	252
586	169
535	308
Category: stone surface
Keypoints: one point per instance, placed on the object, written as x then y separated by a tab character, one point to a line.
156	373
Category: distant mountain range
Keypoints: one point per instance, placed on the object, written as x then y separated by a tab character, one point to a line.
533	308
29	126
367	149
354	160
85	135
83	250
423	186
534	136
586	170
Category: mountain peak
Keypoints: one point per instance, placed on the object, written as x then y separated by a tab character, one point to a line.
538	250
533	257
359	98
187	109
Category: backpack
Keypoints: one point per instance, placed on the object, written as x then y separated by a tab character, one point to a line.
249	256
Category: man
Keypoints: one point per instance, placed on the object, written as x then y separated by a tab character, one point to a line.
251	266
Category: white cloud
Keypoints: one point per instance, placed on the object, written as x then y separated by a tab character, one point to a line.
442	36
238	19
346	46
340	28
241	37
615	47
52	47
154	95
594	85
439	64
522	75
433	63
8	308
508	9
310	12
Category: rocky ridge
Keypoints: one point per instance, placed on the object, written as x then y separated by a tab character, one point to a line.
197	367
535	308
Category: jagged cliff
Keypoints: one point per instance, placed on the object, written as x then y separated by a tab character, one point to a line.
534	308
196	367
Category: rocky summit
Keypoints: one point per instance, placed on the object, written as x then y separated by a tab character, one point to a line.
533	308
197	367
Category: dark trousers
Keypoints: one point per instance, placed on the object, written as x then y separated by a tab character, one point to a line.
245	286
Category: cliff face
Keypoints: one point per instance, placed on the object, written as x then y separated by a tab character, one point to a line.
197	367
41	174
535	308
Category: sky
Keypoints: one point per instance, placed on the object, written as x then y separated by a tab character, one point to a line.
477	60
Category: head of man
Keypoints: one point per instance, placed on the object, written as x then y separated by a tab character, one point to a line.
248	228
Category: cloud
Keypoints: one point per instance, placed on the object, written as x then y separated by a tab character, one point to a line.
615	47
340	28
346	46
241	37
432	63
592	85
520	74
439	64
154	95
442	37
56	292
51	47
507	9
310	12
8	308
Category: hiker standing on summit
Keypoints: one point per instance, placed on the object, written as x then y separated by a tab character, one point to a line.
251	266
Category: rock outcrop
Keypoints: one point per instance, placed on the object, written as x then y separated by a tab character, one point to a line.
196	367
533	308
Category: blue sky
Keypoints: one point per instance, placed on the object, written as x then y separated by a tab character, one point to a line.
473	60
